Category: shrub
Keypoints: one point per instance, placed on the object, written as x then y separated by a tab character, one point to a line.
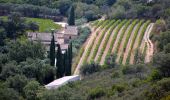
133	69
119	88
96	93
155	75
115	74
110	61
89	69
158	90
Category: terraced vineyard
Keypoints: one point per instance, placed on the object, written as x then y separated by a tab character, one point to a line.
119	37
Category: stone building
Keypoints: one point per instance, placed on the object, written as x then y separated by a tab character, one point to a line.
62	36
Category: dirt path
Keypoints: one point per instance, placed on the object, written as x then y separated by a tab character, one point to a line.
135	46
108	46
117	39
150	49
129	45
88	43
120	50
101	45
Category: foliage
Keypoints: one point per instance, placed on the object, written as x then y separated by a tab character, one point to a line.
110	61
31	90
38	69
159	90
10	69
19	50
89	69
162	61
17	82
8	94
95	93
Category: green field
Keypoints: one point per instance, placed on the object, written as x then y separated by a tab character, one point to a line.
45	25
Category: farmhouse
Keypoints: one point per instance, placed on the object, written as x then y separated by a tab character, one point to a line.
61	36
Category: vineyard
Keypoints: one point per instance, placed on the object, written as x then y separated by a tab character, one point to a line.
123	38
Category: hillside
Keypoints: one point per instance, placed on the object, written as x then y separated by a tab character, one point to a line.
117	37
119	83
121	52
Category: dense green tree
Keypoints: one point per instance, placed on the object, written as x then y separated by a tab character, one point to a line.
31	90
9	94
10	69
63	5
38	69
71	16
15	26
52	51
164	39
167	48
33	26
21	50
162	61
17	82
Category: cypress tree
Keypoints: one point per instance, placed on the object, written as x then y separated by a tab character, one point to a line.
59	65
52	51
68	70
65	62
71	17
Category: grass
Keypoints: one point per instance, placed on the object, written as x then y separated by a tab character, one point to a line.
45	25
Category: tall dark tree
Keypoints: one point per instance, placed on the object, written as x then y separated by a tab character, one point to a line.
52	51
65	62
71	17
59	65
69	58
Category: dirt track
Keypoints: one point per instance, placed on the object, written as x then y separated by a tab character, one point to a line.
150	49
